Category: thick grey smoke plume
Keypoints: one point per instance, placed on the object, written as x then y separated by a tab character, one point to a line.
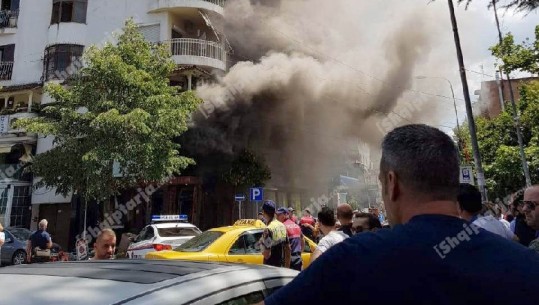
311	78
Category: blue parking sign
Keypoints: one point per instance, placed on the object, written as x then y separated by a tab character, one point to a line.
257	194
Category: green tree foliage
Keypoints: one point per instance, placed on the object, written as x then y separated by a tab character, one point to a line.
498	144
497	137
119	107
247	170
518	57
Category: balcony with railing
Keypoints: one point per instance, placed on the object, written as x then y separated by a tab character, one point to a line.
6	70
166	5
8	21
198	52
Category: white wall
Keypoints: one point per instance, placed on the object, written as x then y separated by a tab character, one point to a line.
106	16
30	41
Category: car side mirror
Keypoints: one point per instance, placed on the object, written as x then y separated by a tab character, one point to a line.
9	240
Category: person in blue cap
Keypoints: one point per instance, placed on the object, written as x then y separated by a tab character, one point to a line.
274	241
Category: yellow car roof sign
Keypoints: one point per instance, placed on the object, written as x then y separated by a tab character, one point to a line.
249	223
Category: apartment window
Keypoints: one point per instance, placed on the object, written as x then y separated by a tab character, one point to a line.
7	55
62	60
69	11
10	5
20	210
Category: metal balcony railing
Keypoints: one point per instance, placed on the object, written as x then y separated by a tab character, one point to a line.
8	19
197	47
217	2
6	69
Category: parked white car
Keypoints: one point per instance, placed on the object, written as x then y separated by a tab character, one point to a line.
137	282
165	233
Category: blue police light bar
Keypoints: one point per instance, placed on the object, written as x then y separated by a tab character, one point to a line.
169	218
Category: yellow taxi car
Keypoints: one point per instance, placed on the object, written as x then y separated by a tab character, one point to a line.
233	244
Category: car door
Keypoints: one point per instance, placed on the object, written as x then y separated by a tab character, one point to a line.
246	249
310	246
142	244
251	293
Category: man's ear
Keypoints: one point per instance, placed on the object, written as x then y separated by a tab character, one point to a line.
393	187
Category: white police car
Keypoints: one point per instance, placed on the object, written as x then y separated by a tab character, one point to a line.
166	232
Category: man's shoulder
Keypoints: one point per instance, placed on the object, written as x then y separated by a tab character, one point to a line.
534	245
277	225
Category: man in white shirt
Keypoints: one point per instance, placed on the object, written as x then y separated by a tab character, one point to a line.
506	223
327	221
470	206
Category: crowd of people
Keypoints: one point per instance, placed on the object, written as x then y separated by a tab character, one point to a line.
439	249
283	239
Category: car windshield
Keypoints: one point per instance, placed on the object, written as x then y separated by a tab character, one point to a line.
200	242
177	232
20	233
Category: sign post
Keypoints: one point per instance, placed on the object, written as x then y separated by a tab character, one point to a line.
256	195
239	198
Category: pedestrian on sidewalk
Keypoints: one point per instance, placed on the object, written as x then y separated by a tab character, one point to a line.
39	244
519	225
292	214
295	238
105	245
326	220
344	216
365	222
531	212
307	224
470	206
274	241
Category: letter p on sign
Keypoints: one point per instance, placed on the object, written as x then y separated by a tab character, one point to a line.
257	194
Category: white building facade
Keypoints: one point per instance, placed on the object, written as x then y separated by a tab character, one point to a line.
43	40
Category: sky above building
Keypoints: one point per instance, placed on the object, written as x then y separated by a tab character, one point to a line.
478	33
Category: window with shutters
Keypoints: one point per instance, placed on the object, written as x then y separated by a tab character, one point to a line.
152	33
69	11
62	60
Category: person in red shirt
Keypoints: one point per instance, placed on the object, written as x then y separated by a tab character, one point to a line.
307	224
295	238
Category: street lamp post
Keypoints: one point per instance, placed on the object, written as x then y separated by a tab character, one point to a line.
454	105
